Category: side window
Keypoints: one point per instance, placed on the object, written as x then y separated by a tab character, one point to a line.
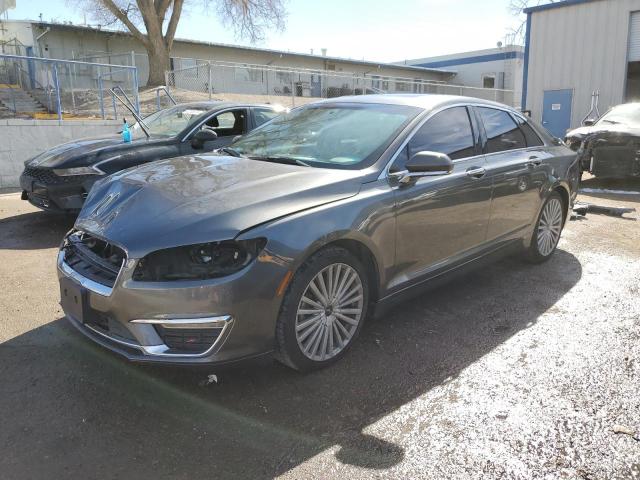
502	132
533	140
228	123
263	115
446	132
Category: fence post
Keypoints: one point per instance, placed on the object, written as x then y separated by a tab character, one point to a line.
101	95
56	82
135	89
209	87
73	96
115	110
293	93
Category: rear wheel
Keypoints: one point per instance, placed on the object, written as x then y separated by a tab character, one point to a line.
546	234
323	310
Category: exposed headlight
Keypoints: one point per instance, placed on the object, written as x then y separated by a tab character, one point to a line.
67	172
198	262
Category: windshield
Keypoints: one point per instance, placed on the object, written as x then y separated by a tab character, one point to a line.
628	114
170	121
334	136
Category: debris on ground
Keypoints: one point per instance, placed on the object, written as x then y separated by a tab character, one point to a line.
583	208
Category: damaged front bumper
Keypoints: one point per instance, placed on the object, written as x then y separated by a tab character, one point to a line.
215	321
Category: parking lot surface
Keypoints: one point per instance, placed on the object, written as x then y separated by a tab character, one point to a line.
514	371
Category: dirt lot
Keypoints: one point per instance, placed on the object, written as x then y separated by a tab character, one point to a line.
516	371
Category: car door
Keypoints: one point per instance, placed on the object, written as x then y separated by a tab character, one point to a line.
515	164
441	219
227	124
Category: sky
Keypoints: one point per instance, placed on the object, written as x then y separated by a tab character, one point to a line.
379	30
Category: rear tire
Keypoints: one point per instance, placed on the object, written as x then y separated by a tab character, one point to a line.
323	310
547	231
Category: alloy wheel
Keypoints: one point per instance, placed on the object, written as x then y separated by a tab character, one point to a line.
329	312
549	227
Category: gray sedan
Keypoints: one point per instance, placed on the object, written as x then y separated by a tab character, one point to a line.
285	242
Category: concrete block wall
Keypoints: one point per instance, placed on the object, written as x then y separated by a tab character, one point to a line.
21	140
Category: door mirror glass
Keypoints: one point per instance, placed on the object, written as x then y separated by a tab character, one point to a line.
430	163
588	123
203	136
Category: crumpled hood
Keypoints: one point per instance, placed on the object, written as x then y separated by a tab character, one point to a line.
81	153
196	199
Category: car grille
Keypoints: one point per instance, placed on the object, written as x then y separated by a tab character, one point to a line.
46	176
93	258
188	340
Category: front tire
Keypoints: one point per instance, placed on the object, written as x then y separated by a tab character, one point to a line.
323	310
548	228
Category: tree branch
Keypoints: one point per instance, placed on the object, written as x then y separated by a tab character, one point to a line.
122	16
173	23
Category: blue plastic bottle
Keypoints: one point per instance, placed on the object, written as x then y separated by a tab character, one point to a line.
126	133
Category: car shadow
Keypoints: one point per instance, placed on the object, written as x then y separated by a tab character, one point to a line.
83	410
611	188
34	230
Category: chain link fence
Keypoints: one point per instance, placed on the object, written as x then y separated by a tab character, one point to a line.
291	87
32	87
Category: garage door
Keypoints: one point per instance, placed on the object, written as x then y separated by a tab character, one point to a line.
634	38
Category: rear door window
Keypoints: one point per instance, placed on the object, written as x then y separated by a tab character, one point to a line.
532	138
502	131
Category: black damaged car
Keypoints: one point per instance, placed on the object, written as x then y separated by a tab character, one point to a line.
609	147
59	179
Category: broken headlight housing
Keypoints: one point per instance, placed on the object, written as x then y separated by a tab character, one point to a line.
198	262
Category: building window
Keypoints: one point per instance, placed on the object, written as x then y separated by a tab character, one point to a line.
489	81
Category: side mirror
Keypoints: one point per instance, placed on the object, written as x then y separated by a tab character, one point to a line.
588	123
425	163
203	136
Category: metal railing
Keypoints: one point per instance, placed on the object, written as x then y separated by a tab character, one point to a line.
290	87
53	88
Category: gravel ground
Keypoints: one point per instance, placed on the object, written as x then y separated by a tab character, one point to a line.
514	371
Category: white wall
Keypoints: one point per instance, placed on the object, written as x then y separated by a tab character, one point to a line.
21	140
581	47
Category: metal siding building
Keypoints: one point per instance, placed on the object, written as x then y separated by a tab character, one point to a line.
574	48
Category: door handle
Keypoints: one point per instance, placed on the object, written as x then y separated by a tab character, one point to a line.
476	172
534	162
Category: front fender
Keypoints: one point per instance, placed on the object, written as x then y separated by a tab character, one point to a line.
367	218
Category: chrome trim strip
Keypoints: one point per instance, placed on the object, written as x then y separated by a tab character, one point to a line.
160	350
204	322
90	285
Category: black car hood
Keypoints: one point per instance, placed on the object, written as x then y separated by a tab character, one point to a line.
81	153
197	199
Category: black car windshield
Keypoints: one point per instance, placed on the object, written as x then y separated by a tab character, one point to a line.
627	114
328	135
170	121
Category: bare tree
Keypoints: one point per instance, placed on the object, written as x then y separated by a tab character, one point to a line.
154	22
516	7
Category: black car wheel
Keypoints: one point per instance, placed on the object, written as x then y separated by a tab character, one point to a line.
323	310
548	228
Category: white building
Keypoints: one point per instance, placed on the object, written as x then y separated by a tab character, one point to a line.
66	41
499	68
576	47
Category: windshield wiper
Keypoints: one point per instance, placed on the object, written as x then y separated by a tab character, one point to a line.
285	160
231	151
614	122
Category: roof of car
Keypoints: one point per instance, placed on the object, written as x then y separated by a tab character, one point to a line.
218	104
426	101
